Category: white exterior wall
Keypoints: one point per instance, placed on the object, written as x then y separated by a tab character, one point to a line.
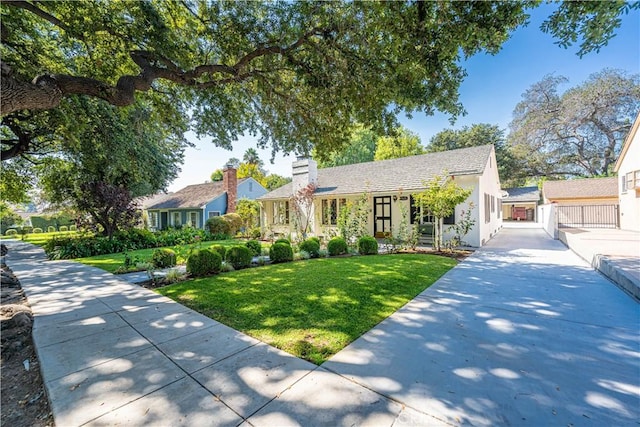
489	183
630	199
547	218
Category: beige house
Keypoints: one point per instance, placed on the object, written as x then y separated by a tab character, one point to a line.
628	169
388	186
587	191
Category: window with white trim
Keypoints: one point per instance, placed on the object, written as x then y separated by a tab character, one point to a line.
153	219
193	219
331	209
281	212
421	215
177	219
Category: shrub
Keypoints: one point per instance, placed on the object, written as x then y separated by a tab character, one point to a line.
280	252
11	232
367	245
235	222
283	240
239	257
315	239
203	262
217	225
255	233
337	246
64	228
163	258
51	229
227	268
302	255
73	228
37	230
311	246
255	246
221	250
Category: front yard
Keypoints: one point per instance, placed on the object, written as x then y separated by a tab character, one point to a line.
114	262
312	309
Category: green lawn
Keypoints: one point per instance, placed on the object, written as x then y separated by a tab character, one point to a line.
111	262
41	238
314	308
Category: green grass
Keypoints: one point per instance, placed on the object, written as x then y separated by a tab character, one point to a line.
41	238
314	308
112	262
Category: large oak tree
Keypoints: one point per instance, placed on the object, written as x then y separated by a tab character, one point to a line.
296	73
578	132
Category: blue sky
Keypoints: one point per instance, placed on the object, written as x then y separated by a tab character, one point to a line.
491	90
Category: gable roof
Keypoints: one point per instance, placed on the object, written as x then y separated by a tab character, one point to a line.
146	201
407	173
521	194
192	196
581	188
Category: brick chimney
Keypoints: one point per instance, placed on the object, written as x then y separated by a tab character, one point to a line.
305	172
230	186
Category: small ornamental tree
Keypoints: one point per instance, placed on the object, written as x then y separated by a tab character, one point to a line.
249	211
302	210
440	198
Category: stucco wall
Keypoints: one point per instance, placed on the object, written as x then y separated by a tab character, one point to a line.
630	199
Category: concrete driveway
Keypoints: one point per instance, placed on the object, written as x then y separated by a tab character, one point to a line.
524	332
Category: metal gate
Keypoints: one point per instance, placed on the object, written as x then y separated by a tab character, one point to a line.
588	216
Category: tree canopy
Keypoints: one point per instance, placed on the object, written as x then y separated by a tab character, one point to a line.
111	157
402	144
578	132
480	134
296	73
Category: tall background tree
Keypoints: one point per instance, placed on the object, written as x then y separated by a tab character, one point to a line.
578	132
110	157
481	134
297	74
401	143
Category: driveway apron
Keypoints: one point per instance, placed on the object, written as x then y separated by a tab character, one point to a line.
523	332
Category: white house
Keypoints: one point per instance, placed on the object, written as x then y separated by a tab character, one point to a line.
628	169
388	186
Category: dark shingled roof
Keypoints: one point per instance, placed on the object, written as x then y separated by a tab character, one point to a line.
407	173
521	194
192	196
581	188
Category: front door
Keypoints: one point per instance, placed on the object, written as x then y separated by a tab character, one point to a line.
163	220
382	216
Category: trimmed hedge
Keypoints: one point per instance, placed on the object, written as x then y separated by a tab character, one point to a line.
367	245
235	222
37	230
255	247
283	240
51	229
337	246
280	252
311	246
11	232
221	250
64	228
203	262
164	258
218	225
239	257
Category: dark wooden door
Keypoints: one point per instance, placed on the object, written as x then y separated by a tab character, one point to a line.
382	216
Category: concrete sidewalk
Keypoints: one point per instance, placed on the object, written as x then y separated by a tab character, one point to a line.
521	333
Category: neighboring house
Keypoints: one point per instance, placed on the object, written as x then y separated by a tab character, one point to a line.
388	186
520	204
194	204
628	169
587	203
586	191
